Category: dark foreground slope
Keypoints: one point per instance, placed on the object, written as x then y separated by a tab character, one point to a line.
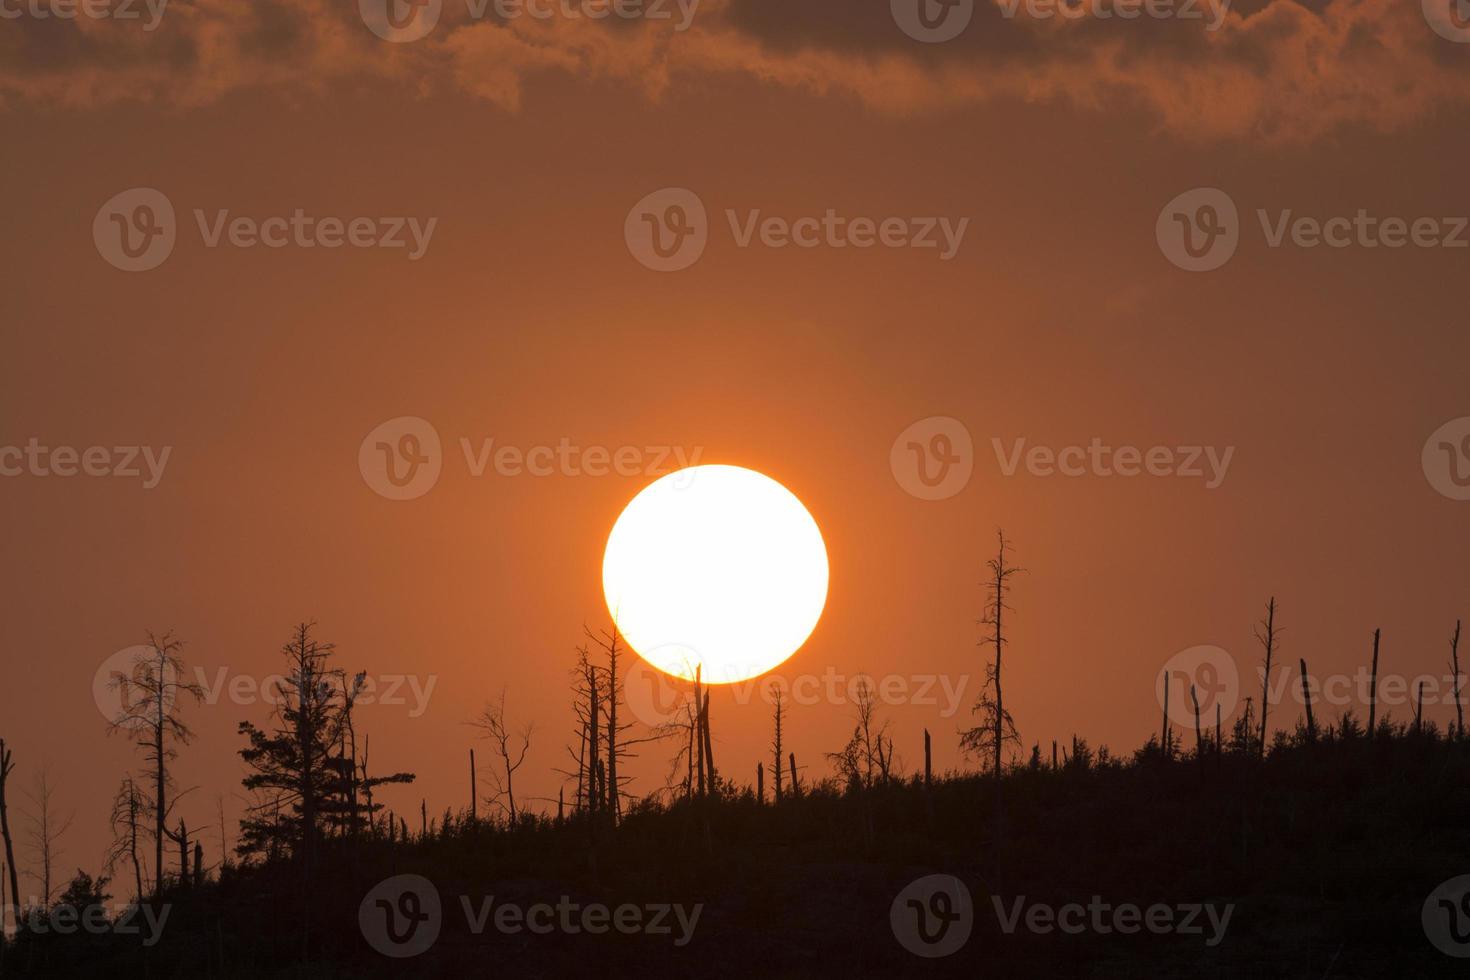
1324	855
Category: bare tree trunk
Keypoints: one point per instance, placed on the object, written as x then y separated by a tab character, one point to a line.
594	743
1164	733
709	748
1373	689
795	784
474	792
699	726
1307	700
776	746
1269	641
1455	665
6	768
1199	738
614	803
760	783
1419	711
159	812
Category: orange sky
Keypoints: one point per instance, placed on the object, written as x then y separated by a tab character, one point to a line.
528	321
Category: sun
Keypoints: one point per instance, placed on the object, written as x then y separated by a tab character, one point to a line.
717	567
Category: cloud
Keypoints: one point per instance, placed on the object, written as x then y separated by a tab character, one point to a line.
1275	70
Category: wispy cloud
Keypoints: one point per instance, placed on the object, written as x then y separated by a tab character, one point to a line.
1274	70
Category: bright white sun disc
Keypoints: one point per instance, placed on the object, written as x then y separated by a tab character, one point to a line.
718	567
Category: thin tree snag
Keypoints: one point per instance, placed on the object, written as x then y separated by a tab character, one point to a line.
1164	734
709	747
1307	700
1373	689
1455	666
699	725
1267	640
1199	739
7	766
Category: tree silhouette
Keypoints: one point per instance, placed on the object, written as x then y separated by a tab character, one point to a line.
996	729
493	726
150	695
304	771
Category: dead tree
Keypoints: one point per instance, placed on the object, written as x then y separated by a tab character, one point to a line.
866	757
492	725
709	748
760	783
1455	668
7	766
928	770
795	783
699	726
780	711
150	696
1373	689
1199	738
181	838
997	728
46	832
474	793
1266	636
610	642
126	821
1307	700
1419	711
1164	732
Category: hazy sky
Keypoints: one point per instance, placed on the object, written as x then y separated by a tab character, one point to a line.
529	317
